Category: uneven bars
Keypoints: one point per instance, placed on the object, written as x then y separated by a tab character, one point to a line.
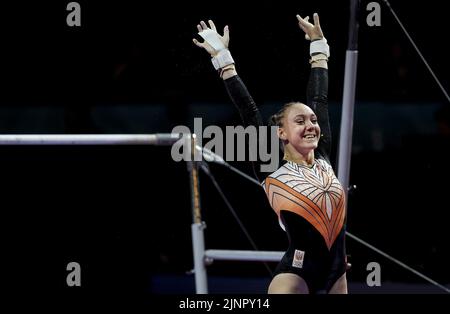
89	139
237	255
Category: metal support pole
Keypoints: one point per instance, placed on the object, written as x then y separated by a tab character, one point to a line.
348	101
198	246
197	227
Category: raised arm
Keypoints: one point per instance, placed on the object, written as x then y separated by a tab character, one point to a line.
317	88
217	46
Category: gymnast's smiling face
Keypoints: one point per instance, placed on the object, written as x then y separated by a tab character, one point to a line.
300	128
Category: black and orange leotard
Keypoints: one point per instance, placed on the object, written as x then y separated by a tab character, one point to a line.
309	201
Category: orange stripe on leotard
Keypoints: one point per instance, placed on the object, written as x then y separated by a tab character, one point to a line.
283	197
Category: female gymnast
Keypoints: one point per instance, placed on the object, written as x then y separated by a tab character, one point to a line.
304	191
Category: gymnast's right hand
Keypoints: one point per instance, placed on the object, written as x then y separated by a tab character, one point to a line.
213	42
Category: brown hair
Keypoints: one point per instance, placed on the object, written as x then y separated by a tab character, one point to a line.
277	118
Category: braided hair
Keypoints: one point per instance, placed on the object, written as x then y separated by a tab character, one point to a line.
277	118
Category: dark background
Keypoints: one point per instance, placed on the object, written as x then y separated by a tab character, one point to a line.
123	213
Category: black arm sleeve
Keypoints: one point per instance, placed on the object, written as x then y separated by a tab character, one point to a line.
317	100
248	111
243	101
